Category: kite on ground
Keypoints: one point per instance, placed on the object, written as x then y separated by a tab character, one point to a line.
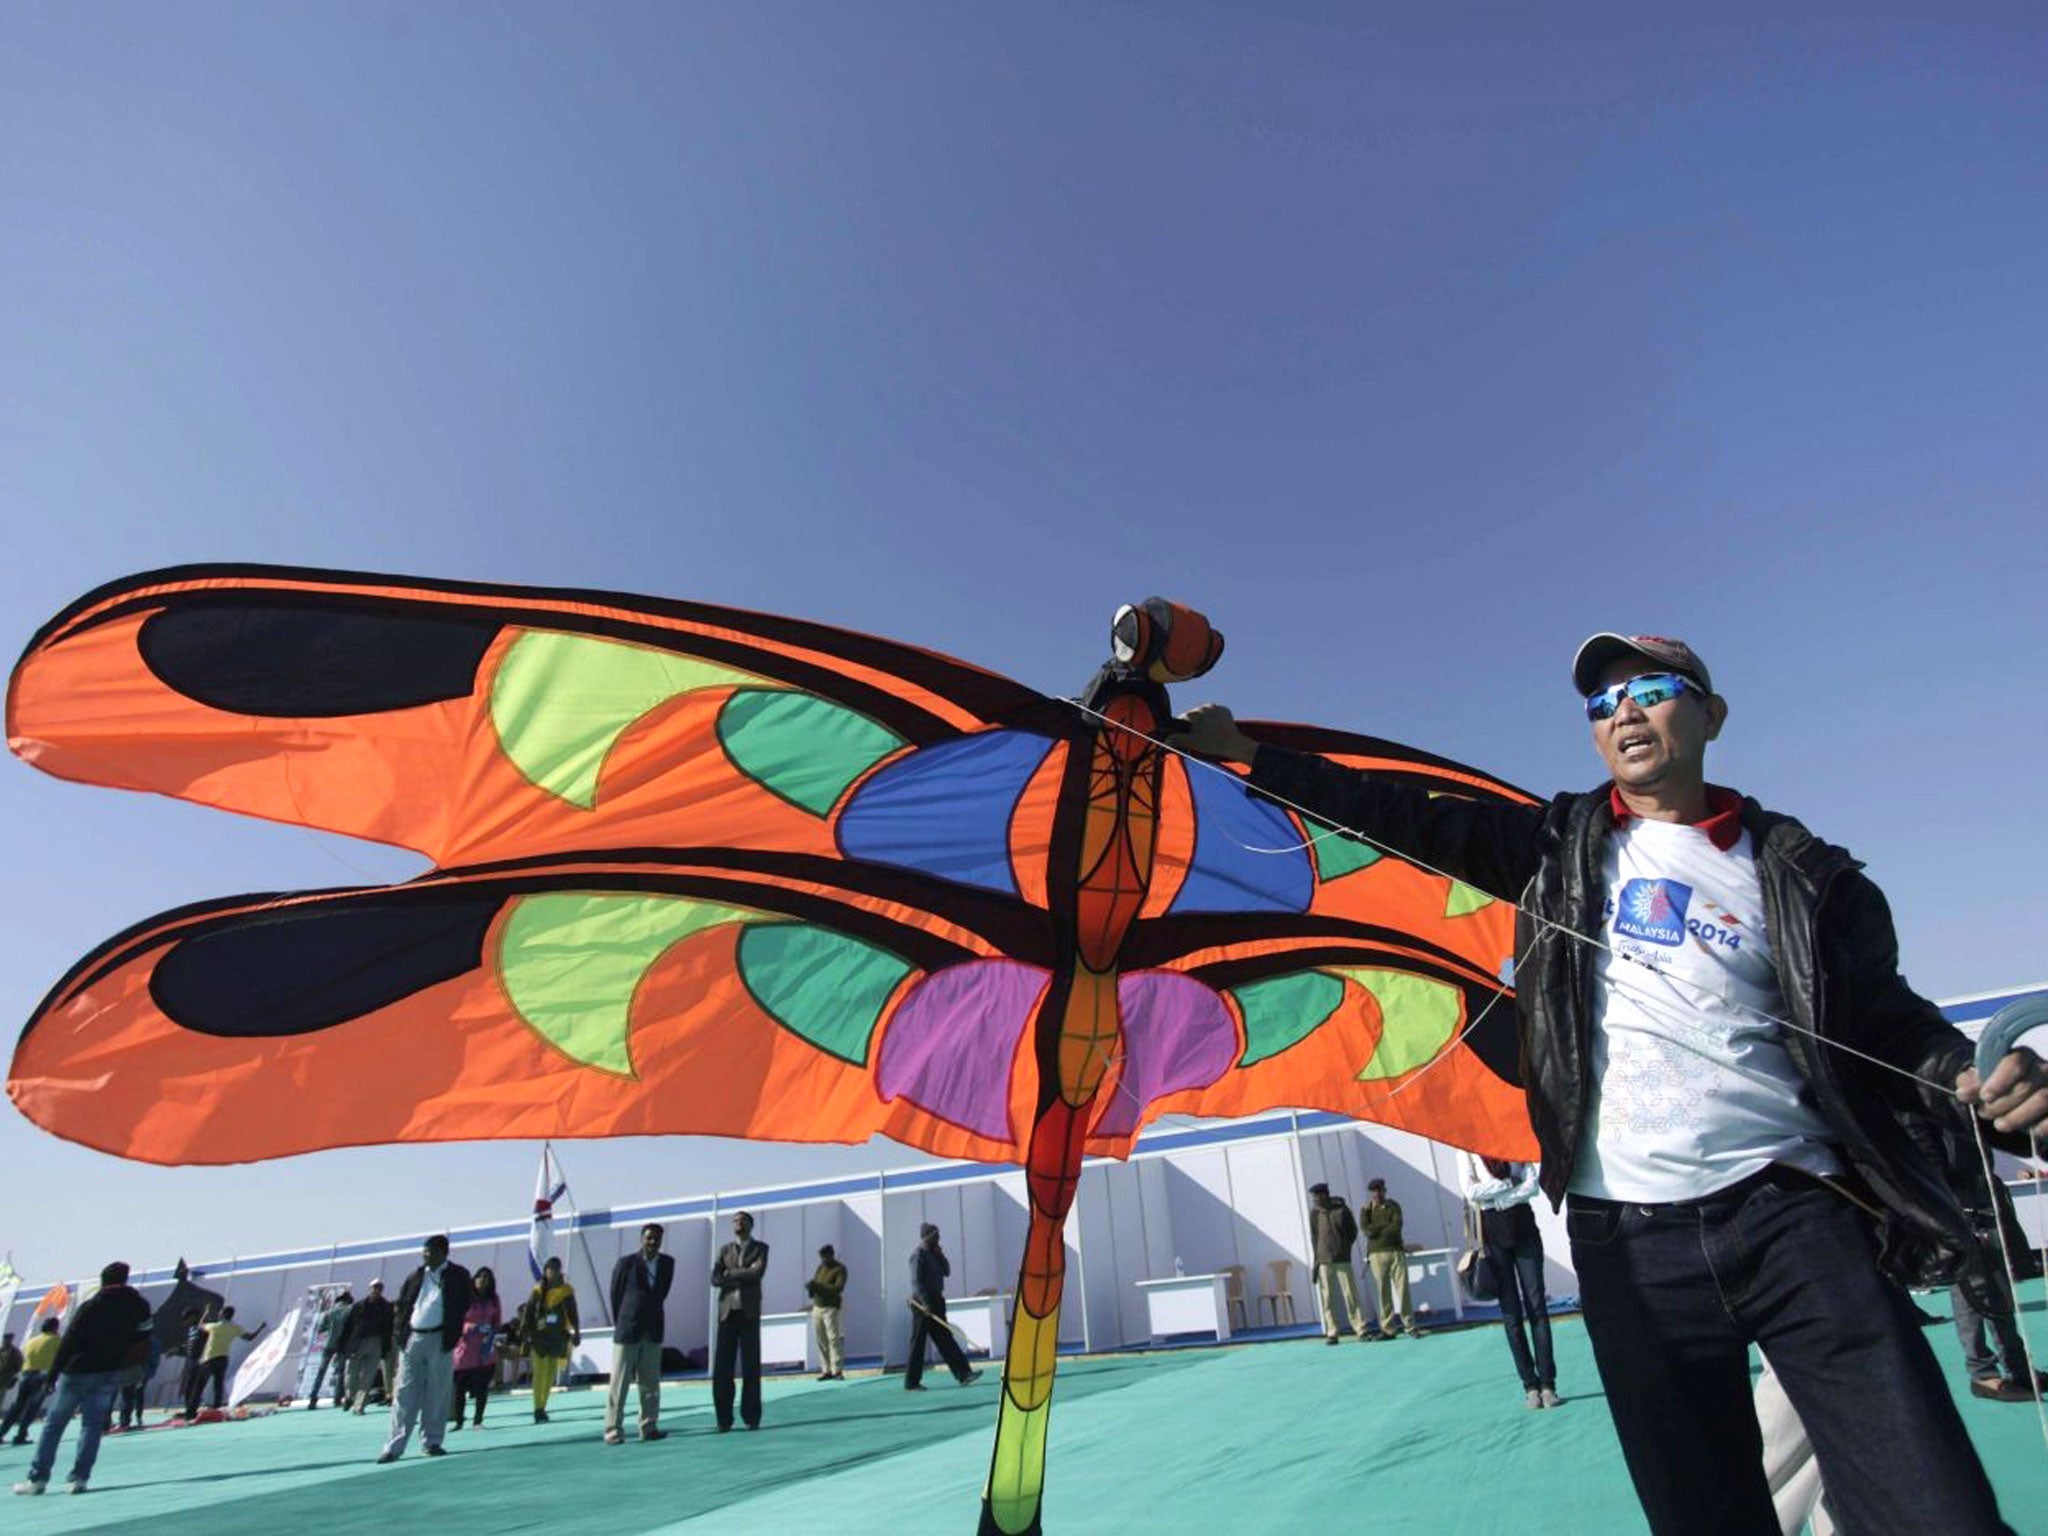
713	872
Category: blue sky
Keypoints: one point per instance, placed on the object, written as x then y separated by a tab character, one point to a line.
1412	344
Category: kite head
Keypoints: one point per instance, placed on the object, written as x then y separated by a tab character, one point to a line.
1164	641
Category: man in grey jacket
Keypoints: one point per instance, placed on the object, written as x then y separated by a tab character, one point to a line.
736	1275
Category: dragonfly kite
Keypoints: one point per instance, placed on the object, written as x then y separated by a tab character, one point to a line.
704	871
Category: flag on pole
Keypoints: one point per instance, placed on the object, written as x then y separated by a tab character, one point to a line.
10	1283
548	1187
54	1303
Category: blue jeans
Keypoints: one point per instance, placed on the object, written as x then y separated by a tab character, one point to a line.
1674	1296
1518	1281
88	1394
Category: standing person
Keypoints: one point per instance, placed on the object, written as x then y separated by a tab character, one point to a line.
549	1329
640	1283
38	1366
929	1268
328	1334
431	1306
827	1290
1386	1255
221	1335
476	1352
1733	1178
192	1350
1950	1143
366	1337
135	1380
1332	1235
1512	1250
736	1276
108	1333
10	1364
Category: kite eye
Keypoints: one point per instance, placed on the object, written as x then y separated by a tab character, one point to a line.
1169	643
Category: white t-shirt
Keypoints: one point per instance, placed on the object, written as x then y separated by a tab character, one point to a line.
426	1312
1693	1089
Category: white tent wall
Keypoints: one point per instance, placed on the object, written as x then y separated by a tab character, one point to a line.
872	1289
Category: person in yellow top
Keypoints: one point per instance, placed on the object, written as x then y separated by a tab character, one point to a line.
37	1356
213	1361
549	1329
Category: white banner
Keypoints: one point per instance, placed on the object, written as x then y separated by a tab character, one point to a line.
265	1360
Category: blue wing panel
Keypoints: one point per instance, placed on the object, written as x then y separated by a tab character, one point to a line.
1225	875
946	809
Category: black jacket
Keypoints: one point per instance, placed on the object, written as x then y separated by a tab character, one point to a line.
1831	935
457	1292
928	1271
368	1319
637	1307
109	1332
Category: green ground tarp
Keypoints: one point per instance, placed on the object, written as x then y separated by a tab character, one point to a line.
1285	1437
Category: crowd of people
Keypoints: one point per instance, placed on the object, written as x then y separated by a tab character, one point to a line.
433	1356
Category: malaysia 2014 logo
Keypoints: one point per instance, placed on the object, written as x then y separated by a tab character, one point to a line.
1653	910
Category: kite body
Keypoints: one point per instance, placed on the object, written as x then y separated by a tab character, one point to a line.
711	872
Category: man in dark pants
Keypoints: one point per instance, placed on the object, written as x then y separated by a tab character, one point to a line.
38	1369
1687	962
736	1276
1950	1142
330	1332
640	1283
1513	1249
928	1272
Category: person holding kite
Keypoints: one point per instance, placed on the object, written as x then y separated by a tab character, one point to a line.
1718	1048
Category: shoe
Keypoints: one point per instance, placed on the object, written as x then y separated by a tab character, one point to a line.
661	1434
30	1487
915	1386
2000	1390
311	1406
1533	1398
1331	1338
725	1429
540	1415
970	1378
1551	1399
613	1437
77	1485
755	1425
387	1458
1418	1333
455	1428
437	1450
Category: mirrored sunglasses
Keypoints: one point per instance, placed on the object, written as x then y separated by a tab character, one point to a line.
1649	690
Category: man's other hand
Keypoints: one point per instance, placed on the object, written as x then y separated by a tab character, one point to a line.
1212	732
2014	1097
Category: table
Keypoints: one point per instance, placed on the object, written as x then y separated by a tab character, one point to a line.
786	1339
985	1320
1188	1304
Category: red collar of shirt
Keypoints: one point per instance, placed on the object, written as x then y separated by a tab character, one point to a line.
1722	823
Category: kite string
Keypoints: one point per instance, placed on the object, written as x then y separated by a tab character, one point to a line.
1540	922
1536	918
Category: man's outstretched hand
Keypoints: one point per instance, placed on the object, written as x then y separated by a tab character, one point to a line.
1212	732
2014	1097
